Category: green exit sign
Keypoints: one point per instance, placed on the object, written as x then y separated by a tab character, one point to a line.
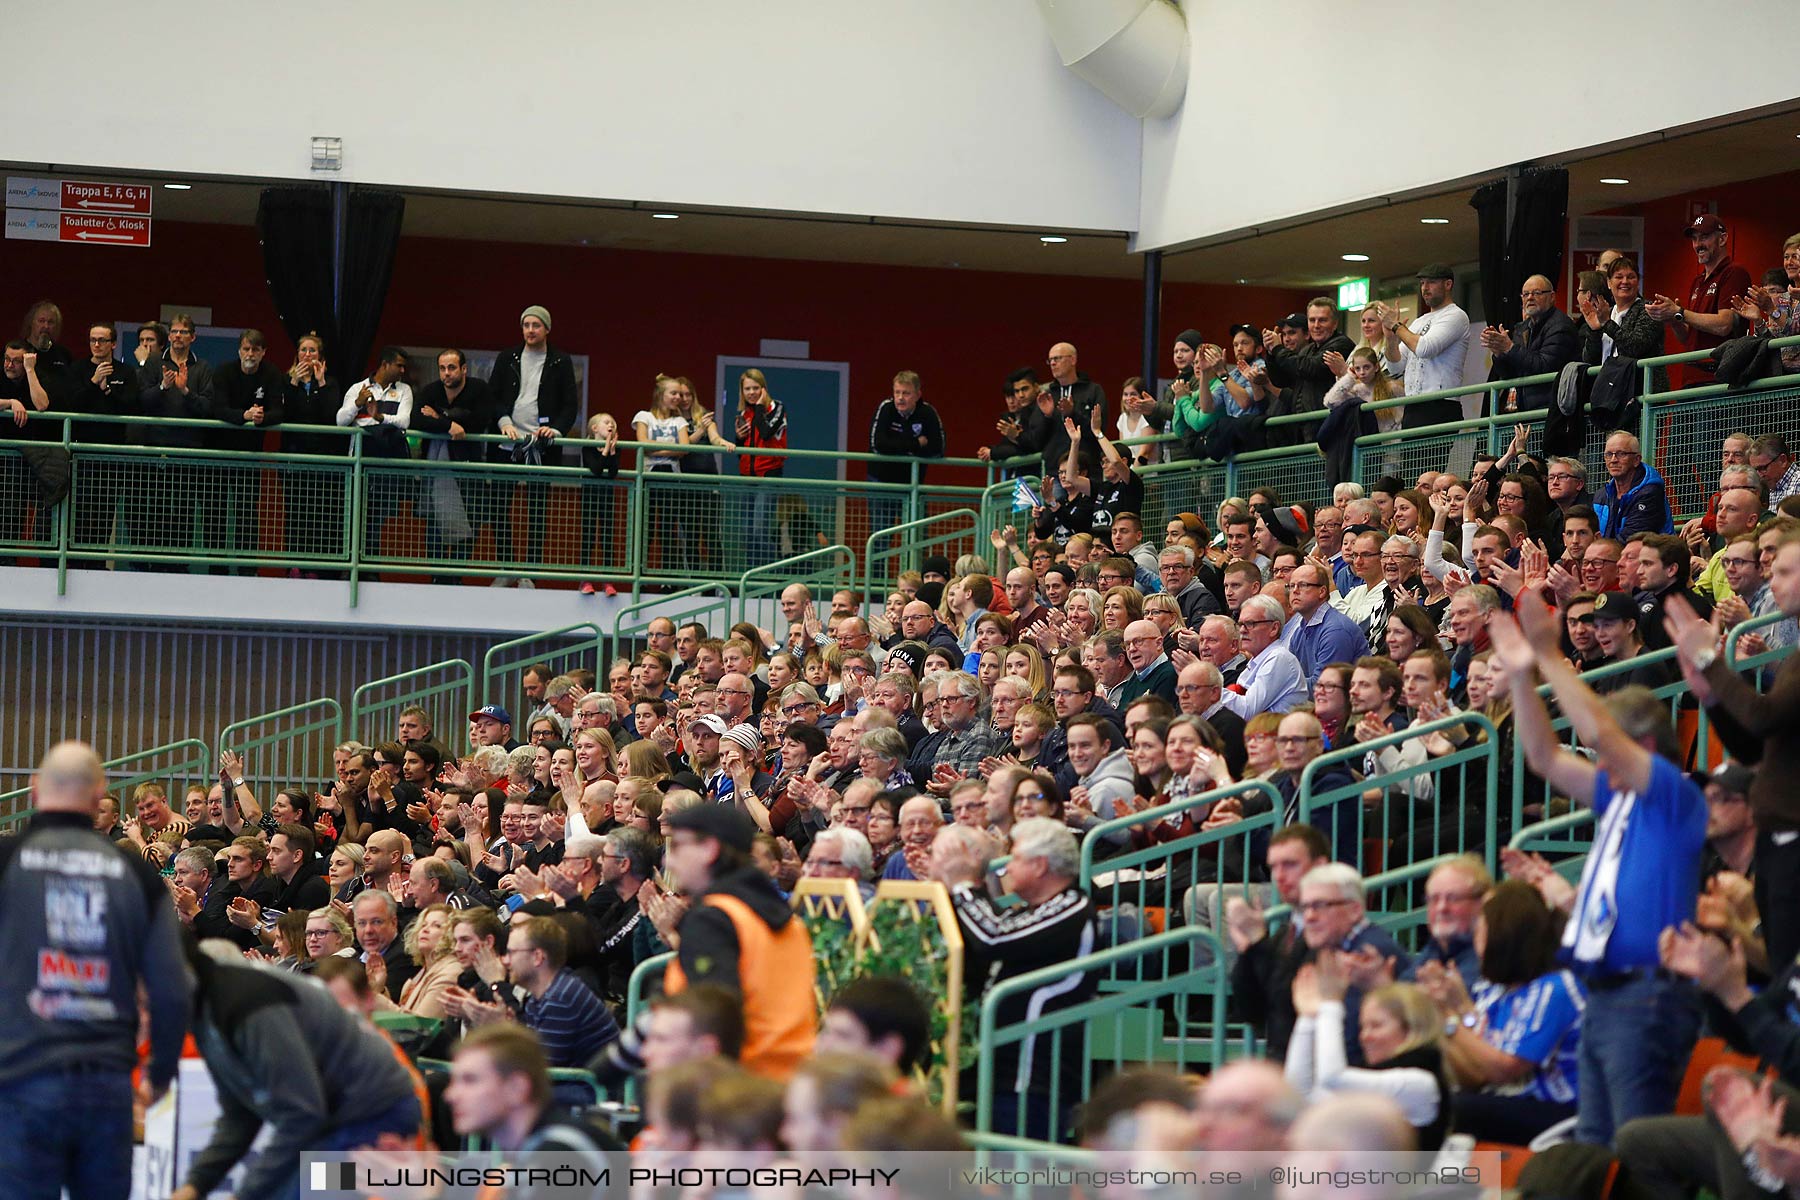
1353	293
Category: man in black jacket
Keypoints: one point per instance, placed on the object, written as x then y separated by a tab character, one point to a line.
88	924
1026	427
452	406
905	427
104	386
534	403
1072	396
1304	370
248	392
1541	344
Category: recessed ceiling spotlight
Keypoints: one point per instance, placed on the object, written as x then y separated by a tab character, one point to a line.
665	216
179	187
1356	258
1051	239
1614	179
1434	220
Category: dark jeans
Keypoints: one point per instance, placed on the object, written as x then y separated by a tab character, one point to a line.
1636	1039
1514	1120
597	505
402	1118
1777	891
68	1129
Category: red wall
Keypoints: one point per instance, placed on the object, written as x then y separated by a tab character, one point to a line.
638	313
1758	213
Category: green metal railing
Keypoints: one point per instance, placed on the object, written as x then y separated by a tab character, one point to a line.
1119	1025
287	746
175	766
644	985
351	514
503	666
1159	876
908	541
1439	805
823	571
445	690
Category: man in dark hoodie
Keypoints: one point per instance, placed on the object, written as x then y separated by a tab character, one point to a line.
1072	395
1072	692
740	934
283	1052
535	402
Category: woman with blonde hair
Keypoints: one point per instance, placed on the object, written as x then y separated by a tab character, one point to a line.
429	944
1025	661
644	759
1165	611
1402	1038
1083	610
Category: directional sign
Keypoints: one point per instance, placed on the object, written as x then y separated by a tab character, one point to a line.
94	229
78	195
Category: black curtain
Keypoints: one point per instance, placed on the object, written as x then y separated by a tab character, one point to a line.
294	225
1532	246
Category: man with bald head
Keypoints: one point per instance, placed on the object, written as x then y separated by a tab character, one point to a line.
86	925
1199	692
1542	343
1736	514
919	623
1021	595
1072	395
1247	1106
1151	672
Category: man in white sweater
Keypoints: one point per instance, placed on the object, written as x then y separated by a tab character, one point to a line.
1429	352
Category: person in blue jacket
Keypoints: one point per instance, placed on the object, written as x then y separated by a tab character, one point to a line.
1635	499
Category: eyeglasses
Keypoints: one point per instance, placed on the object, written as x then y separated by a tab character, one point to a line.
1621	454
1309	907
1556	475
1066	694
1297	739
1258	621
1432	899
1535	292
1322	686
794	710
1027	796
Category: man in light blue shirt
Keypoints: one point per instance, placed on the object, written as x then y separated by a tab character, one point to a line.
1318	634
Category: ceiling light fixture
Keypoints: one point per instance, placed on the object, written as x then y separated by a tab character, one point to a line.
1434	220
179	187
1614	179
1051	239
1355	257
665	216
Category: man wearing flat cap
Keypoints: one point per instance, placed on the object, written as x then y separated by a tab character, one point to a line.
1706	318
738	934
533	389
1304	370
1428	354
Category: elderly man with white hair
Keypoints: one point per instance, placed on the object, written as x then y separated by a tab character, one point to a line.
1054	925
1333	917
841	852
1271	680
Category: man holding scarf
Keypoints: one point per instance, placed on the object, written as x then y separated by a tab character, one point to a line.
1641	877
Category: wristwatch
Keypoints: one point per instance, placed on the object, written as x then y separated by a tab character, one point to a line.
1468	1020
1706	658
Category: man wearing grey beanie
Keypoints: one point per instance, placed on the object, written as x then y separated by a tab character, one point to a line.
533	386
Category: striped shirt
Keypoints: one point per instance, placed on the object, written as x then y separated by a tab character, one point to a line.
1539	1022
570	1021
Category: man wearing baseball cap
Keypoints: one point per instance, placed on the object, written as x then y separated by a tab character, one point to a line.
1429	352
533	387
491	725
739	934
1706	318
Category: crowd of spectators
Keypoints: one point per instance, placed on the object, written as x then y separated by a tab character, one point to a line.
1220	401
1095	682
